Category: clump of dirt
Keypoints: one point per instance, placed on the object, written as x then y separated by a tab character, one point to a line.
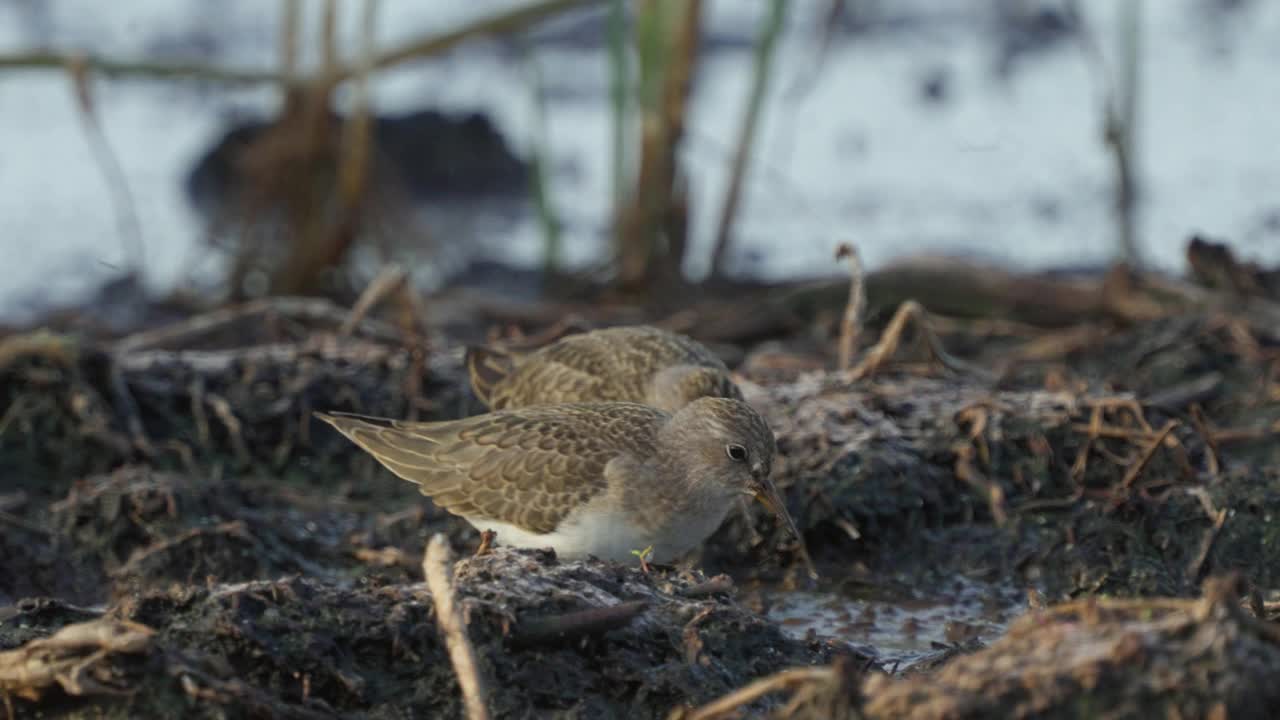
1069	480
313	648
230	391
139	528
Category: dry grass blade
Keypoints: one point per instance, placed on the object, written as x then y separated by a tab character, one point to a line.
1196	569
392	279
126	213
438	568
851	326
746	139
501	24
1118	103
911	312
1135	470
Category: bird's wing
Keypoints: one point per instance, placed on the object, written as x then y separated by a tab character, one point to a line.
527	468
487	368
574	369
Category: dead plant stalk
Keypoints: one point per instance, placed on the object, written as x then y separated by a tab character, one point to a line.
851	327
769	33
437	566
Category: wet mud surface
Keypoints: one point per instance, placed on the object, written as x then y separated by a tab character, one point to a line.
210	550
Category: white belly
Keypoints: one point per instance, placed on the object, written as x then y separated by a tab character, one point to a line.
608	537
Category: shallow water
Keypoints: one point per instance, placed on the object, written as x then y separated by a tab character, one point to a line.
901	631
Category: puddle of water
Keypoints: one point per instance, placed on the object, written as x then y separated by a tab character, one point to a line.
901	631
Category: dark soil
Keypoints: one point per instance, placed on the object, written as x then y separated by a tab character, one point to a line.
233	557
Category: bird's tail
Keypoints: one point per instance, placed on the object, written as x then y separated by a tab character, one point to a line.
403	448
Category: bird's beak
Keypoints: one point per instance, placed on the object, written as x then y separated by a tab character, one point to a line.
764	491
767	494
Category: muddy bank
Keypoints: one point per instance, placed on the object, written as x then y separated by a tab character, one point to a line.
174	479
583	639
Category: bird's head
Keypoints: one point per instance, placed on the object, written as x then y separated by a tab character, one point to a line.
727	447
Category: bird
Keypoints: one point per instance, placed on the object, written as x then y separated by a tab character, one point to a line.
605	479
636	363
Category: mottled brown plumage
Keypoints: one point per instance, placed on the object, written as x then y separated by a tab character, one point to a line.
592	478
624	364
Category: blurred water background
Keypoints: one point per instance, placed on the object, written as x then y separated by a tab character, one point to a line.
965	126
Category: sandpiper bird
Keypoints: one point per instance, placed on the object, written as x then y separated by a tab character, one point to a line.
627	364
604	479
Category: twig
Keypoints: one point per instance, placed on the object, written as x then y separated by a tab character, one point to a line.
222	409
574	625
117	182
1133	435
1094	431
805	82
18	522
231	528
198	415
129	408
1195	570
1148	452
496	25
388	281
51	60
68	658
851	327
769	33
1212	456
1118	103
911	311
969	474
719	584
1181	395
693	643
437	565
387	556
194	331
233	692
210	362
1227	435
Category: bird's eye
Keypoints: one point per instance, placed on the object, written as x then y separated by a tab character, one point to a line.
737	453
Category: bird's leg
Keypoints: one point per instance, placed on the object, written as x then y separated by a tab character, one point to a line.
486	543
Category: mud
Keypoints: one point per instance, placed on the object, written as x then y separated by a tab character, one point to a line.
171	487
307	647
1091	658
